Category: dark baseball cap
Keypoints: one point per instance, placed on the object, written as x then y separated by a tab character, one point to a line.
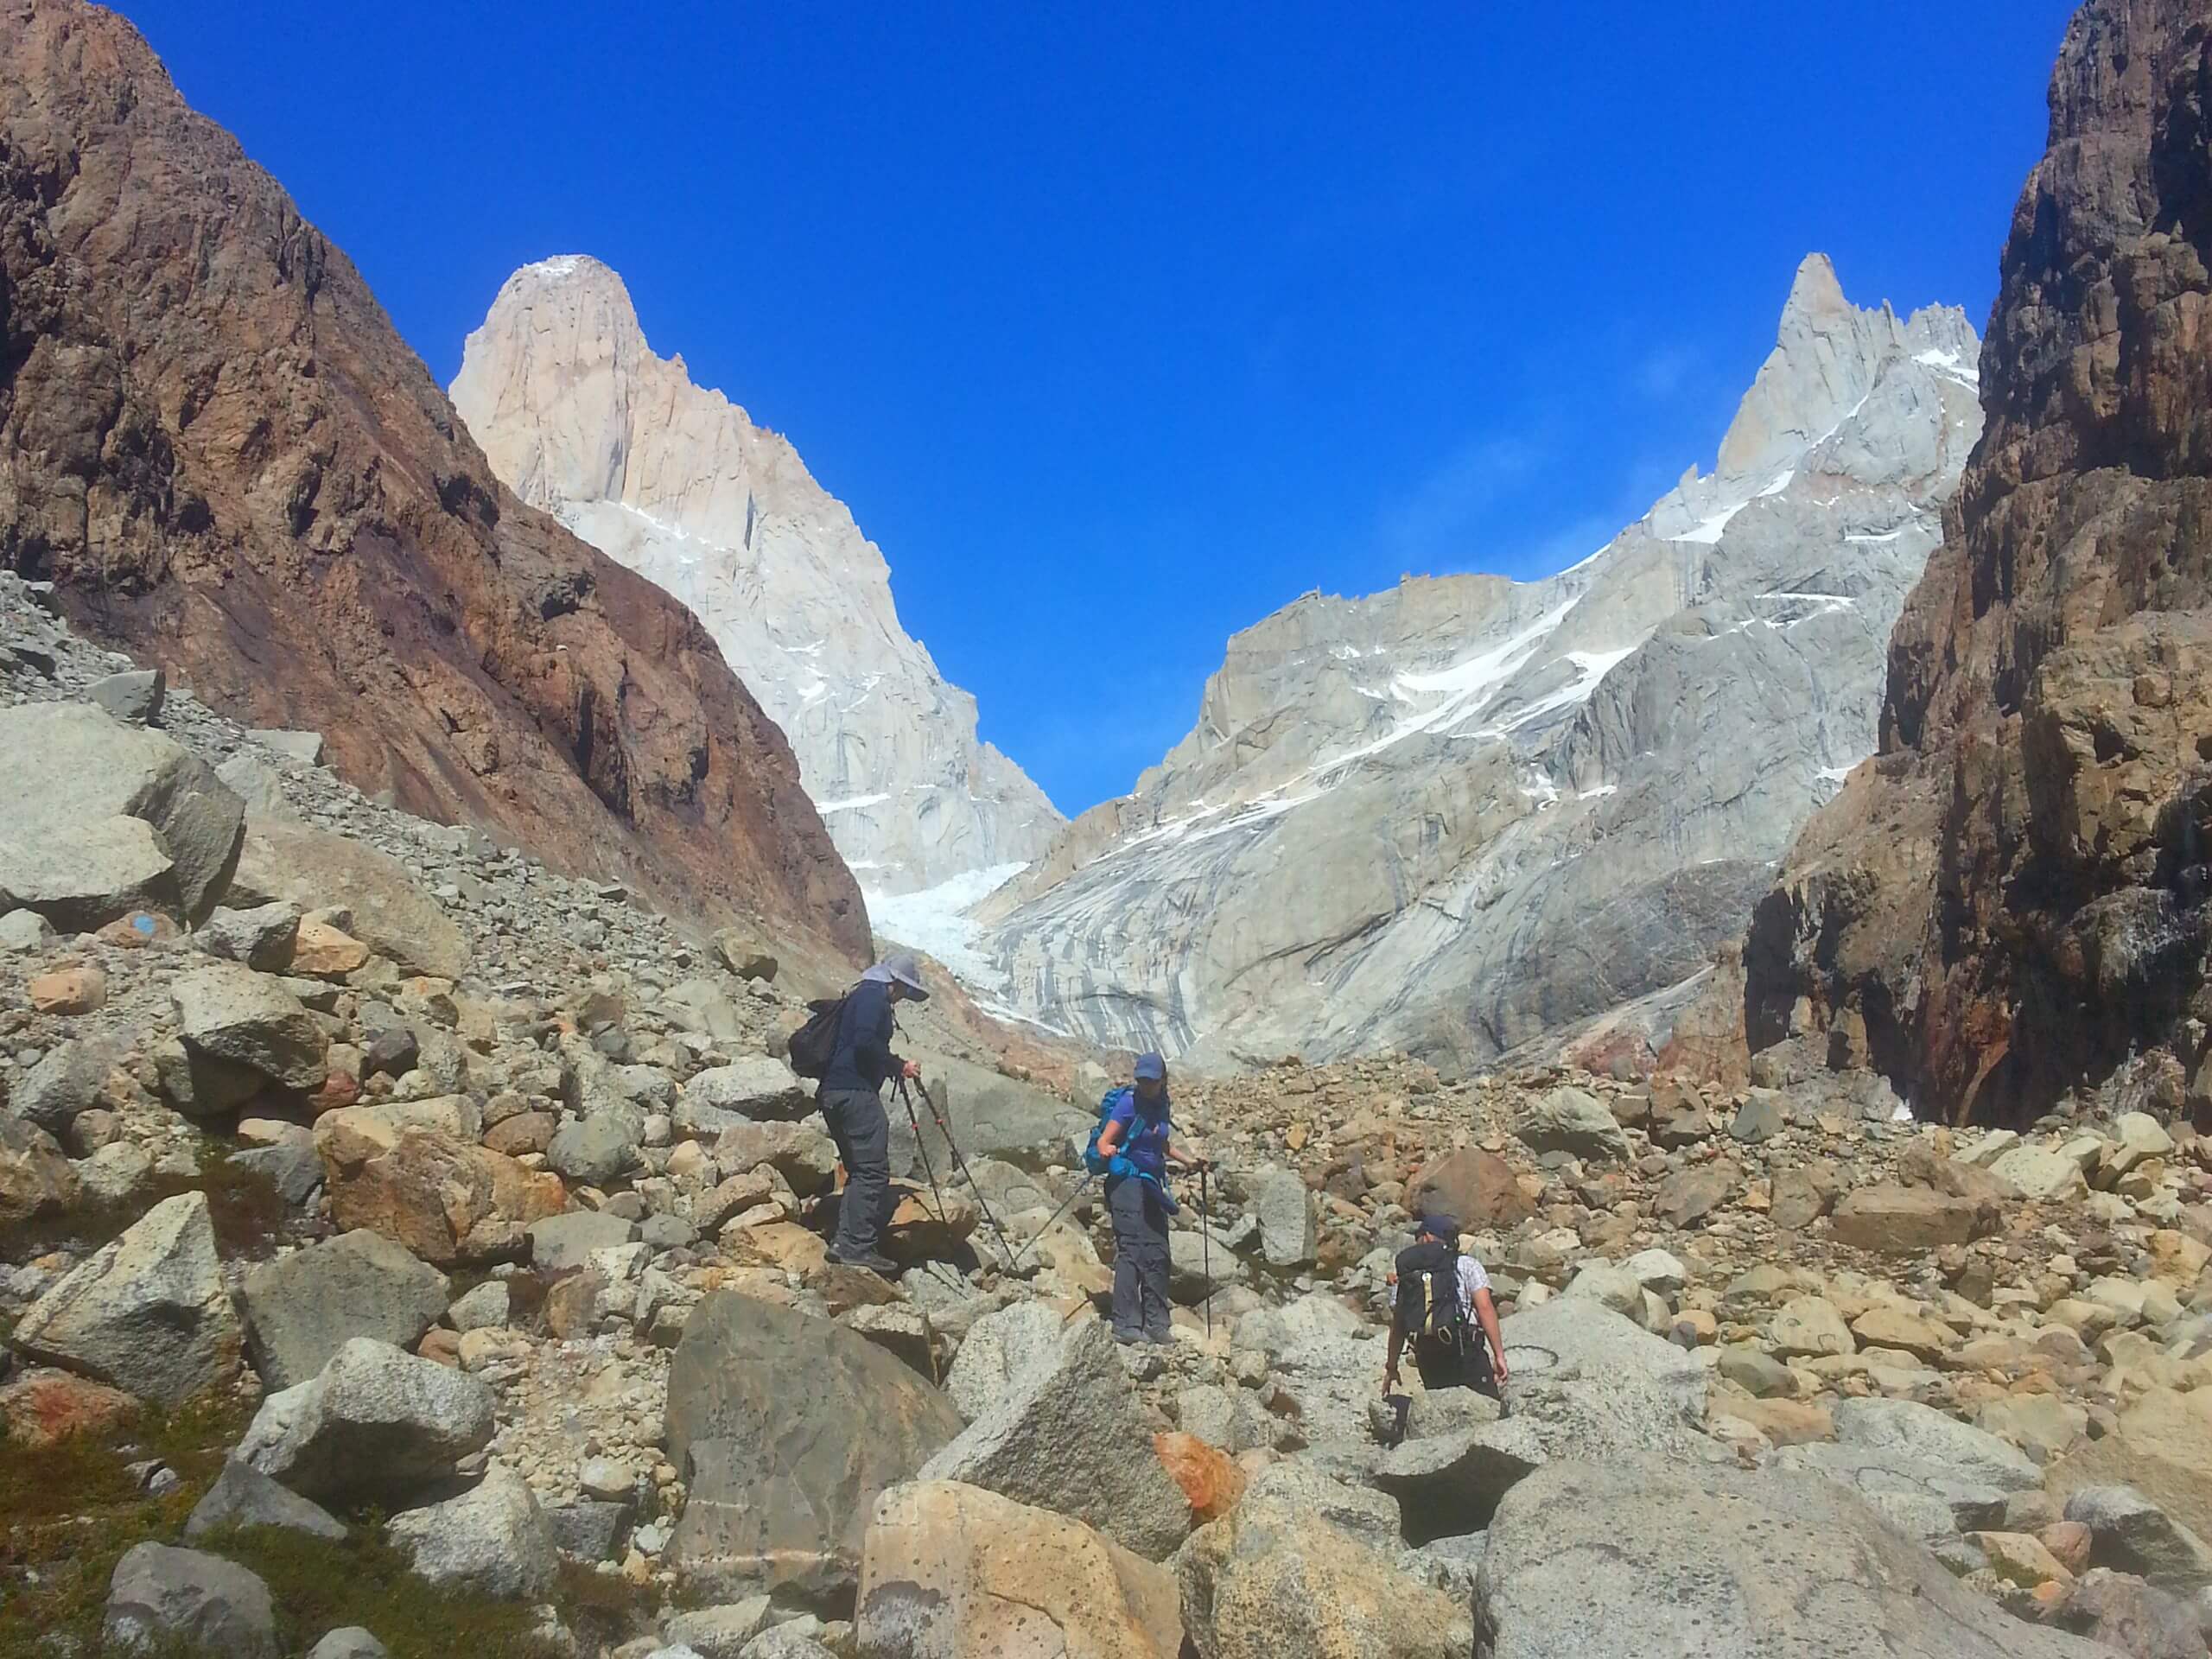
1440	1226
1149	1068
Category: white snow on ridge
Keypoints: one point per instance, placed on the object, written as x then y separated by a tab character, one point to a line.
1708	533
825	808
936	920
1591	667
1951	366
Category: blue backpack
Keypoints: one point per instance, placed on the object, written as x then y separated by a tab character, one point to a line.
1117	1165
1092	1160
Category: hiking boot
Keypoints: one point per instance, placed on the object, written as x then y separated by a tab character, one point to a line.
882	1266
1162	1335
1128	1338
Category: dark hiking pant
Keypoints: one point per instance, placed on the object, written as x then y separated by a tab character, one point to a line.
1141	1302
1460	1362
862	1131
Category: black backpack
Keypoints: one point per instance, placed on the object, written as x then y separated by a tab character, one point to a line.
1428	1294
814	1043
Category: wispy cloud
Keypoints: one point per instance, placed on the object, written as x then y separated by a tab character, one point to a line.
1664	370
1569	544
1440	516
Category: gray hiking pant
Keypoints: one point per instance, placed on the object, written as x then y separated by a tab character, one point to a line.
862	1131
1141	1304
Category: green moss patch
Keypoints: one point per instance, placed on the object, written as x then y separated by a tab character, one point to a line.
68	1512
319	1587
605	1609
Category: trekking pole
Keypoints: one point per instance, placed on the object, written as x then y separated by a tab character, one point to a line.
1205	1244
1066	1204
1006	1247
929	1166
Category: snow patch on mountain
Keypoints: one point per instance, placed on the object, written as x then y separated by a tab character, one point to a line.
1465	812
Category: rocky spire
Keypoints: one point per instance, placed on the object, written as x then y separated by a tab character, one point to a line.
581	417
1826	356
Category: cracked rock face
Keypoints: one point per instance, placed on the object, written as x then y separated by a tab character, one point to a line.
1744	1558
1469	814
676	483
147	1313
2009	902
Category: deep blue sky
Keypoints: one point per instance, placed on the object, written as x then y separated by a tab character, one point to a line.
1119	327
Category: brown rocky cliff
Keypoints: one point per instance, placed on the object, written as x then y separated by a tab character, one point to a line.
2008	902
214	439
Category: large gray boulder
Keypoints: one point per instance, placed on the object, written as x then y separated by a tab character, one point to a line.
1198	1265
562	1243
133	696
1567	1119
147	1312
718	1632
1273	1580
1690	1561
1071	1437
290	1163
784	1427
229	1014
801	1151
1586	1384
798	1639
600	1148
1369	1515
22	932
161	1599
376	1423
302	1308
90	876
301	748
1290	1225
989	1114
243	1496
262	938
1902	1457
97	819
760	1086
1002	1351
490	1541
316	869
700	1005
2131	1534
62	1086
1328	1354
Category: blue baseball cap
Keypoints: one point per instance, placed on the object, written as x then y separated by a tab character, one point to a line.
1149	1068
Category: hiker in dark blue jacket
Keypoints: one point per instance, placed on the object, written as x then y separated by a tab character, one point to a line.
851	1098
1138	1144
